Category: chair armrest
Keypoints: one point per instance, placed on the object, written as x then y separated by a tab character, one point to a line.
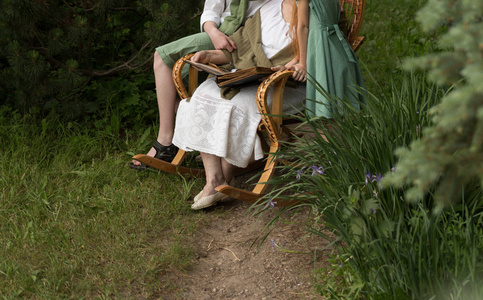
357	42
272	117
178	77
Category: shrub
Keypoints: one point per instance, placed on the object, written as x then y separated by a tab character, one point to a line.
59	54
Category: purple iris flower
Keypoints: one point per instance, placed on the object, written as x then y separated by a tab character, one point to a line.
368	178
317	170
371	178
271	203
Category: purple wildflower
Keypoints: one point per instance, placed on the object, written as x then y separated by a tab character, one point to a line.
373	211
299	173
273	244
378	177
270	203
371	178
317	170
368	178
393	169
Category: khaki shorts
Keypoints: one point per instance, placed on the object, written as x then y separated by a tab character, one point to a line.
173	51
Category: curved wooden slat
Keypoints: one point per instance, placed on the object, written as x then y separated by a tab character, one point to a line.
239	194
178	78
357	43
169	167
354	10
251	197
271	122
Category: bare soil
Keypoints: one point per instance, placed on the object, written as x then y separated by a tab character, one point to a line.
232	261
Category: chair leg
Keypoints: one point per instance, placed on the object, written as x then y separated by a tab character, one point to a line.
261	186
173	167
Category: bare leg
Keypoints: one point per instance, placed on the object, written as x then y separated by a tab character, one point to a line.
227	169
167	103
214	173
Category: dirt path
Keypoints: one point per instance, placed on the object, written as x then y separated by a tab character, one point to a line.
228	266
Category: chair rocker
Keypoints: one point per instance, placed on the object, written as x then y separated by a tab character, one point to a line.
272	122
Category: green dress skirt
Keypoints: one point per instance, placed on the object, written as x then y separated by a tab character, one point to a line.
334	72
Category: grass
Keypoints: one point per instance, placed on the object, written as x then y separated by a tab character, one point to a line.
392	34
77	222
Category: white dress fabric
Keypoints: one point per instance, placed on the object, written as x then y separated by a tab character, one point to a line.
228	128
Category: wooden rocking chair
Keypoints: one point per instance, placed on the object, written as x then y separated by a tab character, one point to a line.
271	120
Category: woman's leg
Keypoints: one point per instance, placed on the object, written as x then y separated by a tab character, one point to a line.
214	177
214	173
228	170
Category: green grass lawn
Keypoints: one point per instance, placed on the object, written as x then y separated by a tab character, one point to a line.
76	222
392	34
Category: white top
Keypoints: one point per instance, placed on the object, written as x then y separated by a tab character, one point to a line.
274	28
217	10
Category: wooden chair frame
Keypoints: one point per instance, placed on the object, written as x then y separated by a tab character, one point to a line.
271	116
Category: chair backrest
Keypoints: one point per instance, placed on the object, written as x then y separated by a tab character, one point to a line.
354	10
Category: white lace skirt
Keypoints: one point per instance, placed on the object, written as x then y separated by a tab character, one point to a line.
226	128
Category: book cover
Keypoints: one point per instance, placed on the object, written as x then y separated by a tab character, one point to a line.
225	78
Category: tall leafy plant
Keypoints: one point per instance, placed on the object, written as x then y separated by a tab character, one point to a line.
386	247
450	154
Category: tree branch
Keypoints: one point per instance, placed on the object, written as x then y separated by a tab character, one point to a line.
122	67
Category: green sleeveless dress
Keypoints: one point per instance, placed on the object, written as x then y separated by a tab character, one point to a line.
334	73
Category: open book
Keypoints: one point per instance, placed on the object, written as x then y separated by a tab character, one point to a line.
229	78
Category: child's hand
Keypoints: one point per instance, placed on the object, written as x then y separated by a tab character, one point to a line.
201	57
291	63
300	72
220	40
278	68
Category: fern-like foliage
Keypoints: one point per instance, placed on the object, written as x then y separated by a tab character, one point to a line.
450	153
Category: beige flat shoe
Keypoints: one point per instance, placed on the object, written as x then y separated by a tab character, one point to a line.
197	196
232	183
208	201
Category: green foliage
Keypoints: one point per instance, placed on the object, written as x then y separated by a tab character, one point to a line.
391	249
450	154
56	54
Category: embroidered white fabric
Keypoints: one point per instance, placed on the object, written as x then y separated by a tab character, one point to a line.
227	128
